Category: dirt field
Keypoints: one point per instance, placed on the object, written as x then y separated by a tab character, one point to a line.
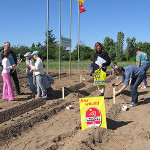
31	124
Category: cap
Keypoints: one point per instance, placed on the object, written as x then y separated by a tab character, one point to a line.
27	54
36	52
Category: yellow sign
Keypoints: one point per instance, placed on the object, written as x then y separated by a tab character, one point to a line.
99	77
92	112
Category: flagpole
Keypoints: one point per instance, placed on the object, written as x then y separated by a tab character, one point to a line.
70	38
47	30
78	32
60	43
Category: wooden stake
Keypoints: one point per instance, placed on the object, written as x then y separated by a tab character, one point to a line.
63	95
80	78
114	101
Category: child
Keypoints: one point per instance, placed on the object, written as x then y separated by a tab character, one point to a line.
48	82
114	67
39	74
29	72
91	67
8	93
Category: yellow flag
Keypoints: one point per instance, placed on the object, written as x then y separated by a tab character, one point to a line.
92	112
81	1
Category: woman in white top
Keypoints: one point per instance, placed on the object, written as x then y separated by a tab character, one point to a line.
8	93
39	74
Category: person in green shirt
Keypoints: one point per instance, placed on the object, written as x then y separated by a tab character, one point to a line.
142	61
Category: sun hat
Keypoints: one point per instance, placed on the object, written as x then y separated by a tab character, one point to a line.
27	54
36	53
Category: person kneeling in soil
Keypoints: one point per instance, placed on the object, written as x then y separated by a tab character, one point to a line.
39	74
134	75
8	93
29	73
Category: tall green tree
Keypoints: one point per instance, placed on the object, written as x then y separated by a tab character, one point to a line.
130	50
119	46
109	46
52	47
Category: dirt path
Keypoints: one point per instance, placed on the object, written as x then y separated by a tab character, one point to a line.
62	129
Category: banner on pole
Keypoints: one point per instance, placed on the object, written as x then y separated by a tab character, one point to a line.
92	111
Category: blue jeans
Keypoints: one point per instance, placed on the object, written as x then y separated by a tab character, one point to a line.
145	68
31	85
135	82
41	89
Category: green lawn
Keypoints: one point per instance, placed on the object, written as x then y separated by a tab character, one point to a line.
74	64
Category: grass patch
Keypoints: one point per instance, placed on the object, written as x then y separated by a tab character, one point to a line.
74	64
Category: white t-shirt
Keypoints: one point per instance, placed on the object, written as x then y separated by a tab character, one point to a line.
39	69
6	65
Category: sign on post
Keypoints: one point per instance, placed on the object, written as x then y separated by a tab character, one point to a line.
65	42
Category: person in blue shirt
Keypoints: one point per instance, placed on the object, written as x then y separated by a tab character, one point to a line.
133	76
142	61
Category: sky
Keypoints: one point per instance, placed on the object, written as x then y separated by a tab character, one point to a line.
23	22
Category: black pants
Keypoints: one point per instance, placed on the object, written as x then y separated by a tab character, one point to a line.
16	81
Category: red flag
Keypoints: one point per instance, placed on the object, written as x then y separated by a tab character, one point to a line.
81	7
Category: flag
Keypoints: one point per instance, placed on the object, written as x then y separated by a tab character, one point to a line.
81	1
81	7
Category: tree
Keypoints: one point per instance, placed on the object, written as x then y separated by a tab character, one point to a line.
109	46
119	46
1	48
20	49
33	45
52	47
38	45
85	53
130	50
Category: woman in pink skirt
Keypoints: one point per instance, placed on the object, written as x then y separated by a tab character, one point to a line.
8	93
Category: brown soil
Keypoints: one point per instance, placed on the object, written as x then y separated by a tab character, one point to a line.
47	125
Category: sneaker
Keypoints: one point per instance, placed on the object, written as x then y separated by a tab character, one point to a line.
133	104
130	103
20	93
143	87
31	96
45	97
